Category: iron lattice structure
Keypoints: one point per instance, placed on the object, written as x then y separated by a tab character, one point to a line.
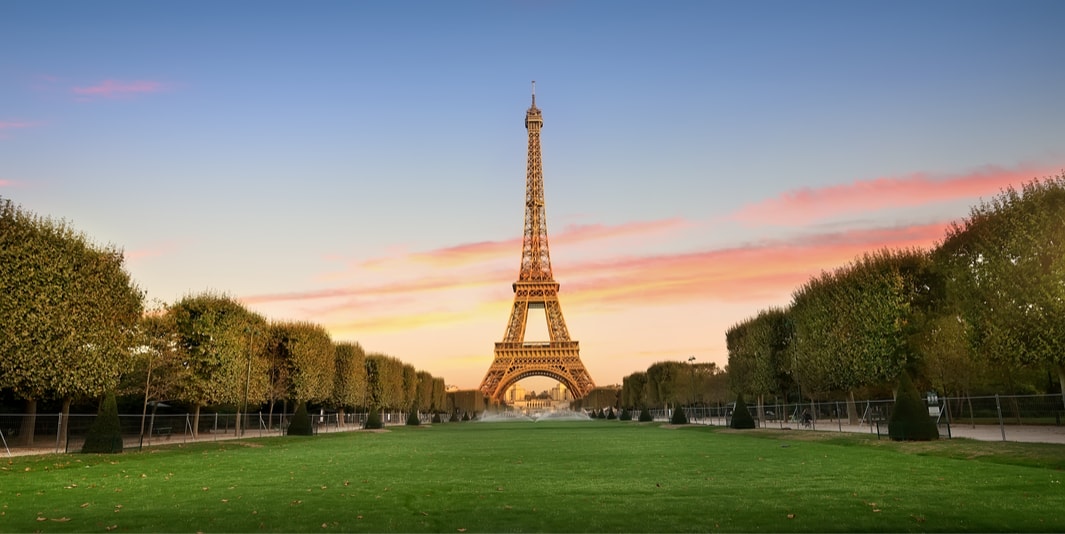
516	359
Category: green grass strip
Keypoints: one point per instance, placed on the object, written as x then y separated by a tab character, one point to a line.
595	476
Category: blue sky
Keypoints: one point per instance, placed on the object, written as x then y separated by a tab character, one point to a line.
362	164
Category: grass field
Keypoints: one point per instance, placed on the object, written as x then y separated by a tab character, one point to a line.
594	476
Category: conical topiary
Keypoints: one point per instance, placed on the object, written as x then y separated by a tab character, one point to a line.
626	415
610	414
301	422
373	420
454	417
105	434
645	416
436	418
741	416
412	419
678	417
465	416
909	419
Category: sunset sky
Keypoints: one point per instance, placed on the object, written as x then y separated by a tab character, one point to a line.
361	165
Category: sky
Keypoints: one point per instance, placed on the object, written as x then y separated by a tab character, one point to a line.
361	165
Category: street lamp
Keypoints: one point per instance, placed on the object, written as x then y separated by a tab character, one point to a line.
691	363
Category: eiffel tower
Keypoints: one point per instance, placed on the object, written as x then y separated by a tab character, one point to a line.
516	359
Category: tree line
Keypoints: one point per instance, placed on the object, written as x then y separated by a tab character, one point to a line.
73	325
984	307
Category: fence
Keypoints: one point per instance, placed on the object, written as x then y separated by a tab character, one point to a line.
58	433
998	417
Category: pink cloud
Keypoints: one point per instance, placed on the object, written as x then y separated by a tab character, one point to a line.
165	249
7	183
14	125
118	89
862	196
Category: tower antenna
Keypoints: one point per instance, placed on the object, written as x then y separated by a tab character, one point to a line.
534	93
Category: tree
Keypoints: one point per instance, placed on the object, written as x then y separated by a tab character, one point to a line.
634	391
853	327
158	370
666	383
741	416
105	433
309	357
68	310
349	386
909	419
1003	266
757	349
221	343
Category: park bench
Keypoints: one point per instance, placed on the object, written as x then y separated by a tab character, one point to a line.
162	431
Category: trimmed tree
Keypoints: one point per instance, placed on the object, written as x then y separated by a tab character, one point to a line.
373	419
626	415
679	417
910	420
301	422
105	434
645	416
412	418
741	416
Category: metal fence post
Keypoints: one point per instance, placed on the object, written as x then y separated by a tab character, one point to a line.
59	433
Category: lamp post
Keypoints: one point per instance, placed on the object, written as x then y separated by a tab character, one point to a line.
247	381
691	365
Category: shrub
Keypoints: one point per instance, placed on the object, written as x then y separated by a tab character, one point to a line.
373	419
454	417
412	419
436	418
645	416
679	417
465	416
600	414
626	415
910	420
610	414
301	422
105	434
741	416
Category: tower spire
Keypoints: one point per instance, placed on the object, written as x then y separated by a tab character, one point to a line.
534	93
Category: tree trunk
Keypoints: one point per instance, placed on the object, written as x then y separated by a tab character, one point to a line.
340	417
761	410
196	422
64	422
852	409
29	424
1061	381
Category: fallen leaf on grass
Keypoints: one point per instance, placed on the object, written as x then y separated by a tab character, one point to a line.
295	502
791	516
425	513
462	530
84	505
60	519
358	517
110	528
39	518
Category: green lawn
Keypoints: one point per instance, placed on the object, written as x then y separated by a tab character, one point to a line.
594	476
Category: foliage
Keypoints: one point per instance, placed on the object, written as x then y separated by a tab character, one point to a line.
68	309
1003	268
634	391
454	417
412	418
678	417
373	419
610	414
216	337
308	356
300	425
384	375
666	383
465	416
741	416
436	418
756	351
852	327
909	419
105	433
626	415
349	385
645	415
